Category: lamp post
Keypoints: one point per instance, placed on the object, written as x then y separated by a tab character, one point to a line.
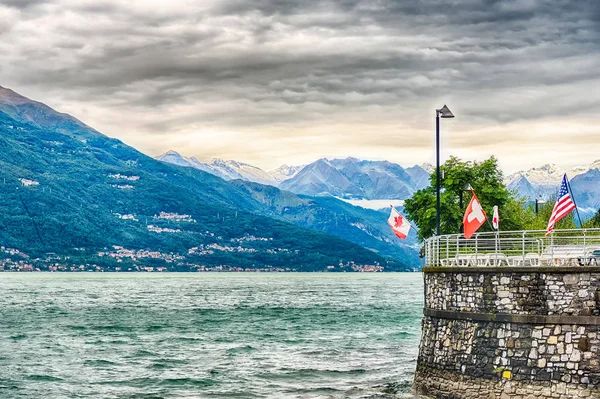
466	187
443	112
538	201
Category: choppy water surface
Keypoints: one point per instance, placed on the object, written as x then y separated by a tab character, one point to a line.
208	335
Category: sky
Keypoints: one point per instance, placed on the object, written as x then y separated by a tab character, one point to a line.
281	81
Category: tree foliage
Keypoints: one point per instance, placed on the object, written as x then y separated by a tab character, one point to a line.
593	222
540	220
487	181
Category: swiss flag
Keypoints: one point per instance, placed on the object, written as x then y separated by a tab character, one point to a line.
474	218
400	226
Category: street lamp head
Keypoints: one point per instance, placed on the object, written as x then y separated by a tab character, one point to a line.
467	187
444	112
540	200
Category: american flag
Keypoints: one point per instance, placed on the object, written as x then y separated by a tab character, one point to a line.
564	205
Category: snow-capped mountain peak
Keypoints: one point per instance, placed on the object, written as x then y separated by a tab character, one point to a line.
545	181
429	168
285	172
175	158
579	170
343	177
544	176
217	161
355	179
352	178
595	164
225	169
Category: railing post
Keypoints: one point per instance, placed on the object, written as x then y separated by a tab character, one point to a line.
552	246
523	247
431	251
437	250
457	246
428	252
496	246
476	249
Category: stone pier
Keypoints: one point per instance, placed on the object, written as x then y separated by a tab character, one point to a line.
510	332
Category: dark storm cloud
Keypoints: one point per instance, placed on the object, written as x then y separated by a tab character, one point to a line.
22	4
472	36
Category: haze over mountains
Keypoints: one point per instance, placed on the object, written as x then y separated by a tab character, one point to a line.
71	192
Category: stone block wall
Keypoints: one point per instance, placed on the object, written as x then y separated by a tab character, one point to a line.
510	333
525	292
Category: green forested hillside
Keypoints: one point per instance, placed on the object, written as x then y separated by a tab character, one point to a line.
80	194
365	227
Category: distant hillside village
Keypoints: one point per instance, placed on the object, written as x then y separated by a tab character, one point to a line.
127	260
121	259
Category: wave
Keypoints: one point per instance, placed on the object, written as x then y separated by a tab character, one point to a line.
99	363
47	378
294	374
240	349
146	382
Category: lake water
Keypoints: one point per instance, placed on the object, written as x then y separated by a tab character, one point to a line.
208	335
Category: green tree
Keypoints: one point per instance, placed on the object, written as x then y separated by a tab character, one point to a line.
540	220
487	181
593	222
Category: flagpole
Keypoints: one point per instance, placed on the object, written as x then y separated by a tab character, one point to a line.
574	203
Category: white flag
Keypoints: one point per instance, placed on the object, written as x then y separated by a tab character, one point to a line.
400	226
496	218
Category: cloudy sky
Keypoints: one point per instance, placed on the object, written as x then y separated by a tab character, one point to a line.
288	81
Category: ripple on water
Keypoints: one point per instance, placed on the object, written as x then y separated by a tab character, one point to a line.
149	382
164	364
36	377
296	374
240	349
116	328
99	363
143	353
108	342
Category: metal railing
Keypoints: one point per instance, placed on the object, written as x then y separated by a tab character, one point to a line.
515	248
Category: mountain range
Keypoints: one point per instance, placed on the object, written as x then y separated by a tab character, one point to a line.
373	184
72	193
348	178
544	182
